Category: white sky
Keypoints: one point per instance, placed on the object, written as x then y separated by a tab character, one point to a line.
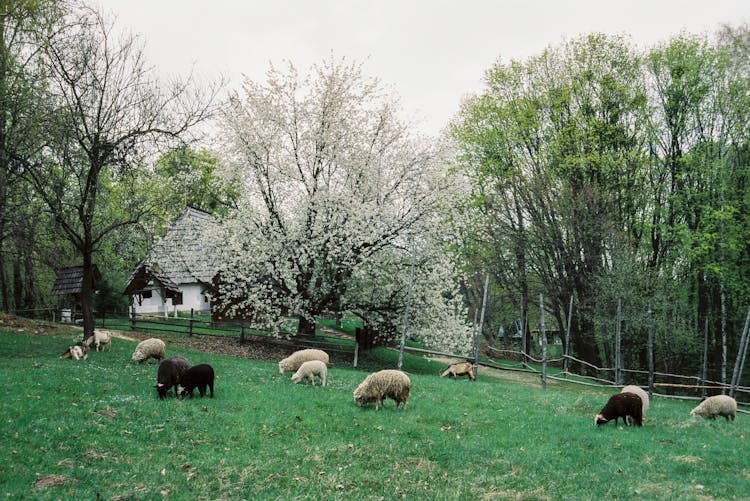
431	52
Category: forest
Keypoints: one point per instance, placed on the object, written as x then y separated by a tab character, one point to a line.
594	174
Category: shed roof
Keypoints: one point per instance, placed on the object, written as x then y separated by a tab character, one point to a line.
180	256
70	280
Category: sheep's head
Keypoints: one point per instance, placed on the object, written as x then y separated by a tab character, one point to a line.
138	356
284	366
161	389
599	420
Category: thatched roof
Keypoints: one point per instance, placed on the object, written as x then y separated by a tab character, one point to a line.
70	280
179	257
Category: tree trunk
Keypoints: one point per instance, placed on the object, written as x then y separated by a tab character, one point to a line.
87	294
17	281
306	326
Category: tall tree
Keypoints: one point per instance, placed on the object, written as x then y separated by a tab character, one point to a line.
24	27
552	146
335	186
107	111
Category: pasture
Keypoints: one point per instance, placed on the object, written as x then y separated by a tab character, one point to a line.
75	430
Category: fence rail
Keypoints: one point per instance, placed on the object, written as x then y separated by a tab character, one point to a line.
196	325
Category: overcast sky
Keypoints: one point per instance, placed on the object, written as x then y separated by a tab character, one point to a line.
431	52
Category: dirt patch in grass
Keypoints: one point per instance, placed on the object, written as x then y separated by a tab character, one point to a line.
51	481
12	323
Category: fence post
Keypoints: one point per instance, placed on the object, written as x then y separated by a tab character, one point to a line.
523	333
543	334
705	358
190	324
406	314
618	354
356	353
478	336
132	318
242	333
650	355
567	338
740	360
723	343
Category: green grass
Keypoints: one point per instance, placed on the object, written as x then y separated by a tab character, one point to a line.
99	424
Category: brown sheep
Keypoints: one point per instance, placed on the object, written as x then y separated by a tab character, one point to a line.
460	369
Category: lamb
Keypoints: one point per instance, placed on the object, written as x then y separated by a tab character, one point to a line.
170	374
150	348
199	376
76	352
640	392
293	361
621	405
718	405
460	369
309	370
384	384
99	339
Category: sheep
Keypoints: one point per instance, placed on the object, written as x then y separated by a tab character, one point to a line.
309	370
293	361
100	338
384	384
76	352
460	369
170	374
199	376
621	405
150	348
718	405
640	392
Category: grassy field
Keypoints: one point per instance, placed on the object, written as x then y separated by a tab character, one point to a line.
96	427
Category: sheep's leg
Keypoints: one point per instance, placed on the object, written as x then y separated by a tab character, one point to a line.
211	387
323	377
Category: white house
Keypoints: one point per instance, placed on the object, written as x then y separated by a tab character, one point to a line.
177	273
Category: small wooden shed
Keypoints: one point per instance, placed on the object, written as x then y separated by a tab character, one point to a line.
68	285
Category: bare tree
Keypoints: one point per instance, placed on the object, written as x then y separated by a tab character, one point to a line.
107	111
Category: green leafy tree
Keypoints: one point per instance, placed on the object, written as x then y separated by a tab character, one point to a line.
106	110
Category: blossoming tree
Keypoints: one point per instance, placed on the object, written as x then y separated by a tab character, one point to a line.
336	189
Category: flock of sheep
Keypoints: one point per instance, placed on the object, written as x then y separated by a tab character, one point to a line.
630	404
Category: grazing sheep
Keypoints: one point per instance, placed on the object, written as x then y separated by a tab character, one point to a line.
76	352
199	376
718	405
170	374
150	348
460	369
309	370
384	384
640	392
293	361
101	338
621	405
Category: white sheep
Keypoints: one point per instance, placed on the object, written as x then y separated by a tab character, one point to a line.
76	352
99	339
383	384
641	393
150	348
718	405
309	370
296	359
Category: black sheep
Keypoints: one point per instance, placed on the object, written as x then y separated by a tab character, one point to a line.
170	374
199	377
622	405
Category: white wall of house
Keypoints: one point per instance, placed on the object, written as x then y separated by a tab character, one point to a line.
192	298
